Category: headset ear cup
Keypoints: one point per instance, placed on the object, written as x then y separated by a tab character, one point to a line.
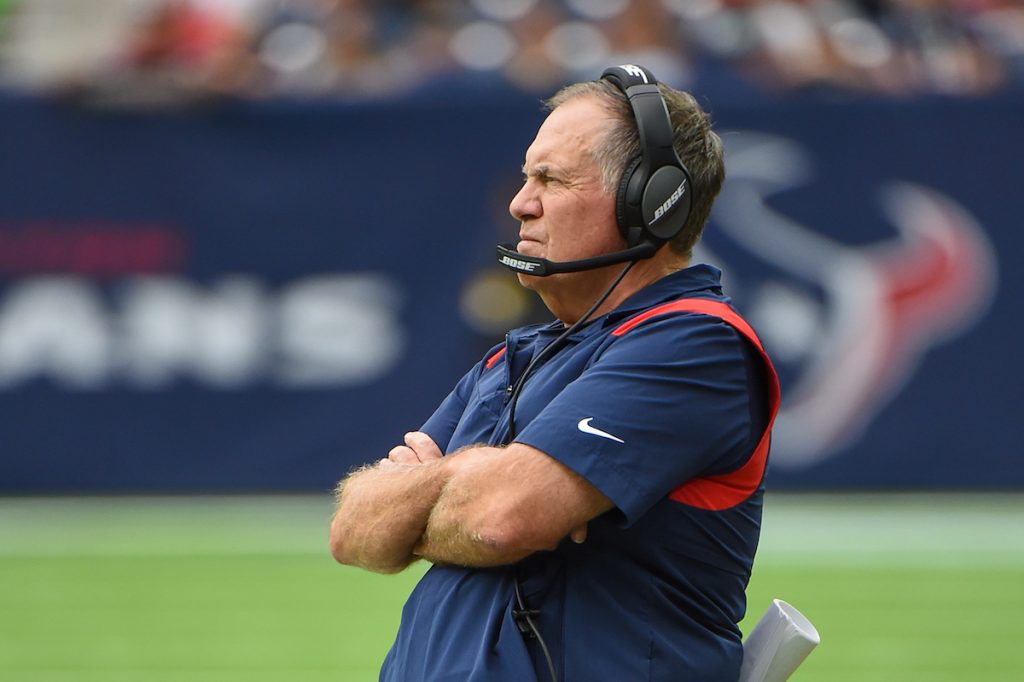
668	196
627	204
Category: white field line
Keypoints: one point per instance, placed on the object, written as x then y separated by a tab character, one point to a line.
797	528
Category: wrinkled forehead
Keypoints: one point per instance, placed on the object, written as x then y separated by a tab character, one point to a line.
569	134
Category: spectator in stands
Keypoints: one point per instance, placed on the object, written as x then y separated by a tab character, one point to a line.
356	48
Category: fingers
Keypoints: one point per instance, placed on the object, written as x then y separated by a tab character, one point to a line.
419	448
579	535
423	445
400	454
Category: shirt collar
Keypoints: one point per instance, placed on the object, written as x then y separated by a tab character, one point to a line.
697	279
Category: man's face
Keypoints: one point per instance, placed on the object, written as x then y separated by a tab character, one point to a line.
563	211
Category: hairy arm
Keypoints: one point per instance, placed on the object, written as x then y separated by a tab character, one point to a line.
481	506
382	510
500	505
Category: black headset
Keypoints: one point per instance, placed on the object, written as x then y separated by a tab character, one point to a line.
655	193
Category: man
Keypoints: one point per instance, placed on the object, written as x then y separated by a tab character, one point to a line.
590	493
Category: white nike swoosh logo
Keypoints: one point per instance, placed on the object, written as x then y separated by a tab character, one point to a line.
585	427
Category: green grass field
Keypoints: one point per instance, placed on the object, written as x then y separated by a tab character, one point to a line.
151	590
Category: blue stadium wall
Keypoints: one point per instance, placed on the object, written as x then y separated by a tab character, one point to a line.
260	296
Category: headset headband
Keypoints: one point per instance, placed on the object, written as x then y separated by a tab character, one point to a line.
655	192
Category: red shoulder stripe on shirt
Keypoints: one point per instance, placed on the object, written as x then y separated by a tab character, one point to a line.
719	492
493	360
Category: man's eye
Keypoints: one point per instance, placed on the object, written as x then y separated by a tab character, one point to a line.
541	178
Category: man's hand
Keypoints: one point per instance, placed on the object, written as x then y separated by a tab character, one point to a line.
419	448
369	529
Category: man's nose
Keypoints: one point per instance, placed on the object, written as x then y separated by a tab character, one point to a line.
525	204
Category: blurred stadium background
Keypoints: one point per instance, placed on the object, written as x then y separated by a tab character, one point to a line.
245	244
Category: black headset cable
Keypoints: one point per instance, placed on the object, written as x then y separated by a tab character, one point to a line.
522	612
552	347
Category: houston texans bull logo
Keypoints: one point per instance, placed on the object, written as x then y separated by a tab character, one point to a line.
847	324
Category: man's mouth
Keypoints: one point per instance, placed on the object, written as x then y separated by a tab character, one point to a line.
529	247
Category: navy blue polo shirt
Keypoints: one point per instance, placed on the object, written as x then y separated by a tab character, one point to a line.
657	589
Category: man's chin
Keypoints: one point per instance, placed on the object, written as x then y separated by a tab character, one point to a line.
528	281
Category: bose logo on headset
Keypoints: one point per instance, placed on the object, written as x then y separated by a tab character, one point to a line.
634	71
516	264
671	201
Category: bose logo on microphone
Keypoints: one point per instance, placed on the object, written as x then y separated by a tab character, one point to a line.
671	201
517	264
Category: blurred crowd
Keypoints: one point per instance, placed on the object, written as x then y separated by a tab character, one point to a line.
173	51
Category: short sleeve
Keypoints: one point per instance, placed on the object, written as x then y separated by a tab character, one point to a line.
442	424
667	401
463	414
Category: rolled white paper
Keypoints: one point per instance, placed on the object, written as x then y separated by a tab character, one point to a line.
778	644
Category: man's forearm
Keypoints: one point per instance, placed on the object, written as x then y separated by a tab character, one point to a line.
447	541
466	526
382	514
